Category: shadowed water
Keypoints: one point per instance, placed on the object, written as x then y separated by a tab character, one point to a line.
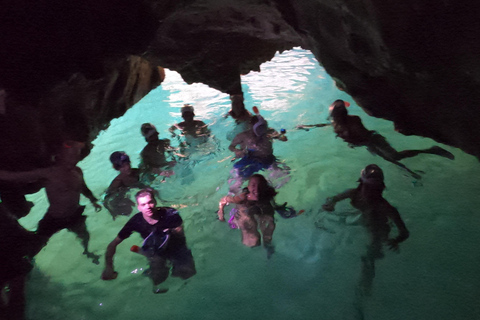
315	270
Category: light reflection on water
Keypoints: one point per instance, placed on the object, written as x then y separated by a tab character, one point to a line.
315	269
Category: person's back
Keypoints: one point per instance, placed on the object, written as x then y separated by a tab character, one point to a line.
352	130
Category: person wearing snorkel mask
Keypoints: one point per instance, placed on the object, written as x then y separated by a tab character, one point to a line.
254	148
376	213
116	199
351	130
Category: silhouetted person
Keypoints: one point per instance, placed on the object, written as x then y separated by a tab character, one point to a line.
376	213
116	199
351	130
154	161
63	183
194	131
164	240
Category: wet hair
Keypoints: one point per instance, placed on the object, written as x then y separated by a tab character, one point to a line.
265	190
371	181
148	130
118	159
145	192
339	109
187	108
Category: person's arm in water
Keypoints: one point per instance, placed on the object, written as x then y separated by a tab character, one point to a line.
307	127
109	272
330	202
274	134
238	140
173	128
202	129
225	201
403	232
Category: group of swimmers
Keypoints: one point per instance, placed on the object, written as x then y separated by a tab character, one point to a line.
255	205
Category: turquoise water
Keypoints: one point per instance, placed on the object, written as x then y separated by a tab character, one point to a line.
315	270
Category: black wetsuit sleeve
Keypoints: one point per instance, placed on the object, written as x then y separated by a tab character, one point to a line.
172	218
130	227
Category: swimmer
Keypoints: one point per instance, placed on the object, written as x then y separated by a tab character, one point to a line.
154	161
116	200
194	131
254	148
255	207
352	131
376	212
164	240
63	183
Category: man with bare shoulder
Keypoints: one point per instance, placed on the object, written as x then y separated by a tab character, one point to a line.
63	183
164	240
194	131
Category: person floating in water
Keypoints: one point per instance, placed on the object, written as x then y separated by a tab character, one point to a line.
164	240
351	130
63	183
376	213
194	131
154	161
255	207
254	148
116	199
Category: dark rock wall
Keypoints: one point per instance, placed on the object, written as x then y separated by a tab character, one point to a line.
71	67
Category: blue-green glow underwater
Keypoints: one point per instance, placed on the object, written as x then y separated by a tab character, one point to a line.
315	270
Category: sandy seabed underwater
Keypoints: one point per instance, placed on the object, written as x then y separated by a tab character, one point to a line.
315	270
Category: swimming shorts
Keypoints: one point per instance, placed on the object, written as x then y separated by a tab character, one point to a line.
247	166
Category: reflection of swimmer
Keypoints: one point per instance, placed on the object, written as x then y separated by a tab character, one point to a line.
195	132
154	161
376	212
351	130
116	198
255	207
164	240
254	148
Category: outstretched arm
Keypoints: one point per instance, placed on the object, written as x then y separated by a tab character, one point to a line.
309	126
109	272
25	176
329	204
225	201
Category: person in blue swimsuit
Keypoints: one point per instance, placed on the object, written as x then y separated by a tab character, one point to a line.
254	148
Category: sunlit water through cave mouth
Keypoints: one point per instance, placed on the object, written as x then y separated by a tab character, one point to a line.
316	268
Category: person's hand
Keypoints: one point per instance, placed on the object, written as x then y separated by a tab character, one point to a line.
239	153
393	244
328	207
220	215
109	274
98	207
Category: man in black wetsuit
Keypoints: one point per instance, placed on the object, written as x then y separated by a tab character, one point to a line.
161	228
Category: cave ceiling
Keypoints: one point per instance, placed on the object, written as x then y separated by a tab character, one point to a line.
69	67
